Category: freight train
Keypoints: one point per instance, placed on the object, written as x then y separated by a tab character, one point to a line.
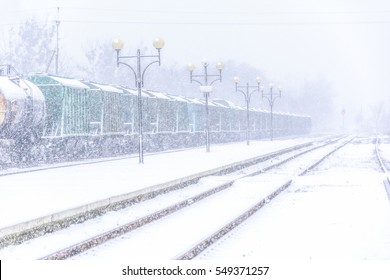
50	118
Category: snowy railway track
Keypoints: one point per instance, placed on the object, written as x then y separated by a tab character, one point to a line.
383	165
381	161
119	231
326	231
211	239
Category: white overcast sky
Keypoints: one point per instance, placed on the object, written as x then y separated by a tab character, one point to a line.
346	42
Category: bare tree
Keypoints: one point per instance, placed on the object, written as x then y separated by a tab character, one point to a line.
29	46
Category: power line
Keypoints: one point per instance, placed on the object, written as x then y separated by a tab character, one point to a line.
221	23
221	11
231	23
213	12
249	22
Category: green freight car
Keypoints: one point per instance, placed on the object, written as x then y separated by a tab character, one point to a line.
80	119
66	105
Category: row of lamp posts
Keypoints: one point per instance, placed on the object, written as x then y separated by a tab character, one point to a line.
205	80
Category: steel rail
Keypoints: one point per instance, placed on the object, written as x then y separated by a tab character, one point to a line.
386	181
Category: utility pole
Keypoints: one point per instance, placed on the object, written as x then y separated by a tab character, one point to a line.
57	45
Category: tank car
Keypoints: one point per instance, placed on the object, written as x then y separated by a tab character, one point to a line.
22	111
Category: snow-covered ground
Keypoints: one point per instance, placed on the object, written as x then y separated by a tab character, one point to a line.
28	196
59	240
338	211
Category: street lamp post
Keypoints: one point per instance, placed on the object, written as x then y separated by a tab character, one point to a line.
247	94
271	96
206	88
158	43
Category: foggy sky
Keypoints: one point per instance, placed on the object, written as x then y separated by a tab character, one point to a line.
345	42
